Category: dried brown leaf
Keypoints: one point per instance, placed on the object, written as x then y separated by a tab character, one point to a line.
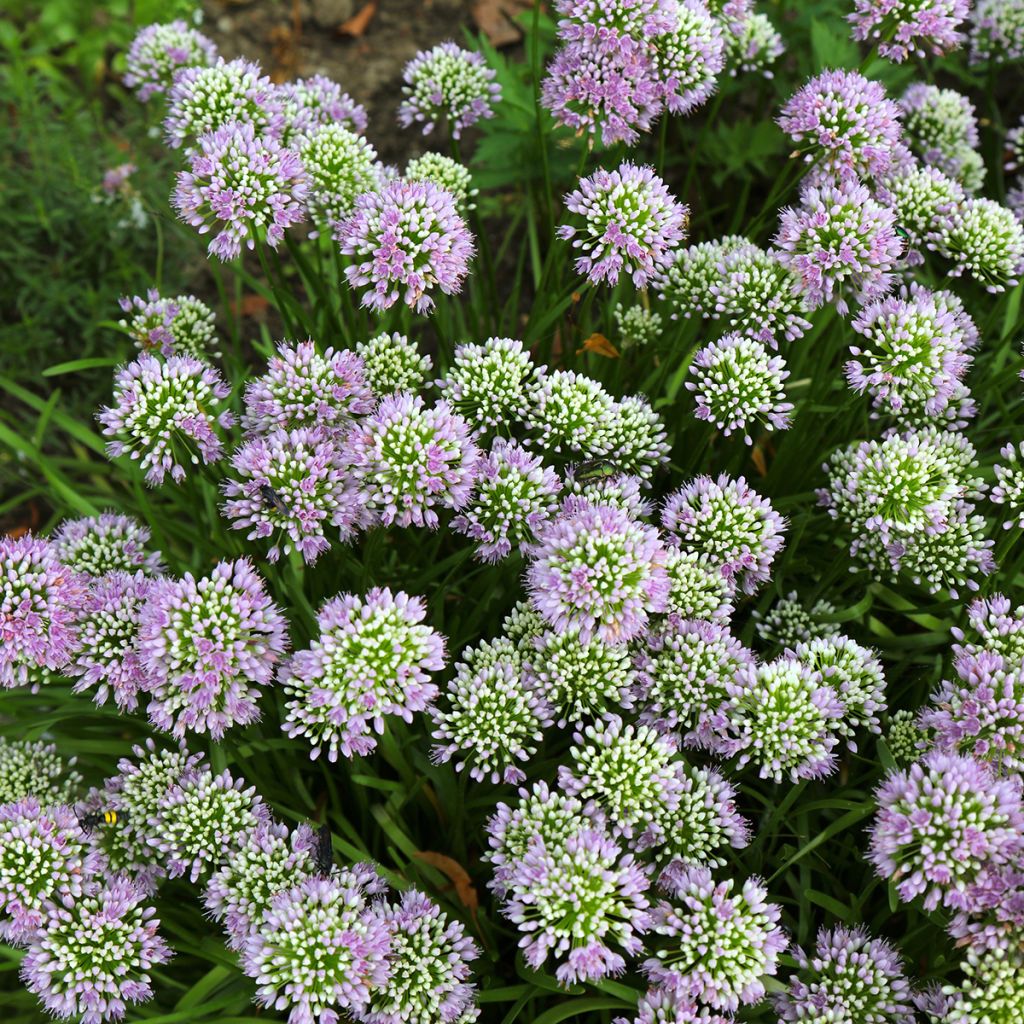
456	874
599	345
359	22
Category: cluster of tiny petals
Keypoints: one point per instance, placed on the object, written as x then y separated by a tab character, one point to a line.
993	990
668	1006
839	240
340	166
790	623
91	959
405	239
688	282
409	460
637	325
372	658
292	482
311	103
207	645
447	85
490	383
203	100
632	224
719	943
851	976
923	199
940	822
34	768
737	383
304	387
243	187
1009	486
730	524
164	415
983	240
995	626
994	920
514	496
905	28
941	127
598	571
688	59
846	121
997	32
446	173
696	590
391	362
158	52
756	47
182	325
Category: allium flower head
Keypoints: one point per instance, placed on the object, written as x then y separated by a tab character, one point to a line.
107	662
490	384
578	679
688	58
755	47
789	622
983	240
446	173
688	280
203	100
372	658
759	296
738	382
428	962
600	572
514	496
33	768
340	165
201	820
182	325
994	920
668	1006
603	488
292	483
164	415
1009	486
632	223
44	860
839	241
391	362
994	625
781	716
321	949
408	460
90	959
904	737
207	645
846	122
567	414
633	436
489	722
696	590
405	239
915	352
997	32
266	862
580	900
683	673
450	85
304	388
243	187
904	28
39	599
924	199
159	52
942	821
719	943
850	977
941	127
729	524
993	992
315	102
637	326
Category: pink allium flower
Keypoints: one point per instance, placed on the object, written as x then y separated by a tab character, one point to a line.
159	52
905	28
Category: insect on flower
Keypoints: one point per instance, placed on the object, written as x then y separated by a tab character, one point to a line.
323	851
272	498
109	817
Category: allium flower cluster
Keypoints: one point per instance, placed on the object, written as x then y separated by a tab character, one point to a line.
669	1006
696	590
839	241
994	920
207	646
633	436
688	281
995	626
406	239
409	460
993	991
718	944
158	52
489	722
598	571
789	622
446	173
983	240
846	123
1009	486
244	187
321	948
372	658
490	383
755	47
940	823
183	325
688	58
447	85
514	496
311	103
292	483
851	976
204	100
33	768
637	326
729	524
304	388
904	737
738	383
923	199
904	28
340	166
941	127
92	958
164	415
632	224
39	600
997	32
391	362
916	351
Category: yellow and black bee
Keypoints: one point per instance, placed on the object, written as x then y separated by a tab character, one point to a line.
273	499
108	817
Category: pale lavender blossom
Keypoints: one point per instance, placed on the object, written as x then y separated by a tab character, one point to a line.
1009	486
115	179
668	1006
904	28
995	625
158	52
994	918
689	57
182	325
997	32
207	646
310	103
